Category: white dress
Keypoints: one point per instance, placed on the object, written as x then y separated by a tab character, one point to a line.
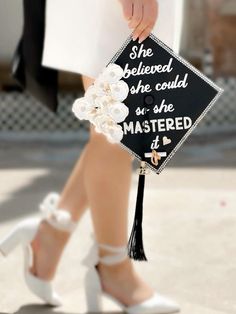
82	36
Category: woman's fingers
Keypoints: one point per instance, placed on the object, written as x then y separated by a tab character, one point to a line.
150	11
146	23
145	33
144	18
149	19
127	7
137	16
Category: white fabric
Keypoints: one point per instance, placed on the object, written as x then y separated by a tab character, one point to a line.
59	218
82	36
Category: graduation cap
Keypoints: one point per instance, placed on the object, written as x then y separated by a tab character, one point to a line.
148	99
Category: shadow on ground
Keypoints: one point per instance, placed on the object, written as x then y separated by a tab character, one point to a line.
43	309
26	199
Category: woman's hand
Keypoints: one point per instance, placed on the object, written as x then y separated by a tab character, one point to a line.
141	16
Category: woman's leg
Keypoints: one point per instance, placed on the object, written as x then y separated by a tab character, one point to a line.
49	242
107	178
95	176
101	178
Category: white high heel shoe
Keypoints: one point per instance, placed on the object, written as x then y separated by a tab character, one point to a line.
157	304
24	233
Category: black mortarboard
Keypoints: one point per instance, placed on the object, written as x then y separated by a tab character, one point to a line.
166	98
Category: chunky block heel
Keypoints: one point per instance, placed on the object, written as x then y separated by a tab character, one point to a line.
10	242
22	234
93	292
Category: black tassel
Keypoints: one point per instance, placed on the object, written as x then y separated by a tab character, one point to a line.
135	243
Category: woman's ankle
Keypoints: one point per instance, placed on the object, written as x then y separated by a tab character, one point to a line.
46	228
47	235
119	270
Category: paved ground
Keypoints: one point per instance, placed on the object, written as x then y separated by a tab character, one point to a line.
189	224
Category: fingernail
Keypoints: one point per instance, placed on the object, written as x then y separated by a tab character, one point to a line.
134	38
140	40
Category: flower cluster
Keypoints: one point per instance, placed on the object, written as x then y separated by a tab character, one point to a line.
50	211
103	104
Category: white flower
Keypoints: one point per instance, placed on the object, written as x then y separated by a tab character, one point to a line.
51	212
93	115
107	126
49	203
104	102
112	73
119	90
82	108
118	111
91	94
61	216
101	87
114	133
101	122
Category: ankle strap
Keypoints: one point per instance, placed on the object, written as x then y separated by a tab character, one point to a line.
56	217
92	258
119	254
